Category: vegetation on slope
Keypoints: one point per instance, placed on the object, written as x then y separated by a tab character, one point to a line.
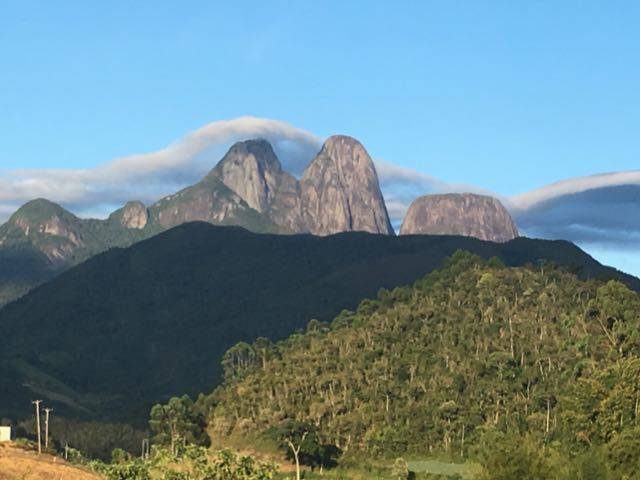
473	358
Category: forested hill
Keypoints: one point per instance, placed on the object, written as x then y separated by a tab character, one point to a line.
470	353
132	326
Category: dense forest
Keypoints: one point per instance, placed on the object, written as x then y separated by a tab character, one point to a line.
476	359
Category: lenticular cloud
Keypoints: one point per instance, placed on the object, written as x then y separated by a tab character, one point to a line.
148	176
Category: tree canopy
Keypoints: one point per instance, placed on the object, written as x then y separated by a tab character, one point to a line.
471	351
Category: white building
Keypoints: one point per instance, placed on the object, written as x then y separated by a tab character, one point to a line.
5	434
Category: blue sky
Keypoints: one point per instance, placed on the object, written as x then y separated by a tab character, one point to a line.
508	96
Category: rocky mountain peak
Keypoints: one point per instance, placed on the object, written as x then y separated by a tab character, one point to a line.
465	214
132	215
38	210
45	225
339	146
340	190
42	217
252	170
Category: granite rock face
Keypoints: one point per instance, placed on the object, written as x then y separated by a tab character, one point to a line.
132	215
210	201
340	191
252	170
465	214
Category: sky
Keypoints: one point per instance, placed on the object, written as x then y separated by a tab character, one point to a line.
493	96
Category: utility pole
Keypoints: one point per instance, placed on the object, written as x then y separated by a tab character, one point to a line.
145	448
37	404
47	411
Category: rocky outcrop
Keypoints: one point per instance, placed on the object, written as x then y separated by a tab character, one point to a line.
209	201
340	191
133	215
42	217
55	231
252	170
465	214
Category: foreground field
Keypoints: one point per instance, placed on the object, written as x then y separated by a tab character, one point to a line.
18	463
420	470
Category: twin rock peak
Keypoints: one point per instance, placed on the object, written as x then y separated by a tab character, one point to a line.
338	191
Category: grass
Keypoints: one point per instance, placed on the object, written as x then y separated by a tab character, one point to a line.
423	470
467	470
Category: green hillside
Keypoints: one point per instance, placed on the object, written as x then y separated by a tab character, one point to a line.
529	370
134	326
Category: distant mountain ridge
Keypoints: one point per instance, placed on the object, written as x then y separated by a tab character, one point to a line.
132	326
338	192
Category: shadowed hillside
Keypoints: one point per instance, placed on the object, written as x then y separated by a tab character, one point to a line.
133	326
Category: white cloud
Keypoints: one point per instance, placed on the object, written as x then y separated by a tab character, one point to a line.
597	211
149	176
575	185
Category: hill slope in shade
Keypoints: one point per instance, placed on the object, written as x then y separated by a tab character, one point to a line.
133	326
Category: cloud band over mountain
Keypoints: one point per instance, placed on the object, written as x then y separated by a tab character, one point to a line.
600	210
606	216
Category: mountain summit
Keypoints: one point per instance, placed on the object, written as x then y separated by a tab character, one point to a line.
252	170
47	226
340	190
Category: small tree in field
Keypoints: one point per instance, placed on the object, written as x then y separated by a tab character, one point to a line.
301	444
178	420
